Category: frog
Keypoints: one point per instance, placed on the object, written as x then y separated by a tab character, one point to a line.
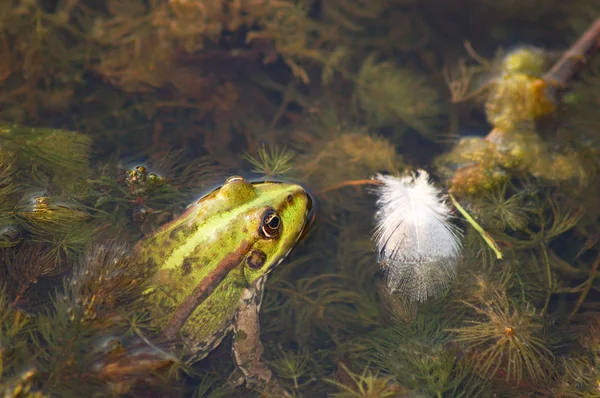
212	263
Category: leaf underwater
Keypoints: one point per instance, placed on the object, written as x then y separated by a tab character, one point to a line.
417	245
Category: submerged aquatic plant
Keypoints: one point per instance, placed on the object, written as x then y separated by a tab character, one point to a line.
63	152
389	84
417	245
506	210
507	339
58	222
294	366
420	356
272	161
367	385
189	73
107	278
16	372
579	379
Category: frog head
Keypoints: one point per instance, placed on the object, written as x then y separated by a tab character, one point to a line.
270	217
254	225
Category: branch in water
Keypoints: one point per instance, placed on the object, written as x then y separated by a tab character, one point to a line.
564	69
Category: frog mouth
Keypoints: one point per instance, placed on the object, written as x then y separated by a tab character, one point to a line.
311	215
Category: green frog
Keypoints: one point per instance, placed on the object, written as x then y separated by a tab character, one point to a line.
212	263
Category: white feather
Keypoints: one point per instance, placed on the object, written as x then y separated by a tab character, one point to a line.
418	246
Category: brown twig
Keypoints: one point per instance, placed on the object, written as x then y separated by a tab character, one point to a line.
471	51
349	183
564	69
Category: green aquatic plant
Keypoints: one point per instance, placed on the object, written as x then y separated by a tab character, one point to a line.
355	258
319	304
505	209
344	154
38	168
60	223
366	384
62	152
507	341
528	220
79	341
389	84
17	375
579	379
478	166
108	279
222	77
210	387
326	304
553	216
143	194
348	156
272	161
527	59
351	15
27	265
294	367
181	172
417	352
579	370
9	192
93	357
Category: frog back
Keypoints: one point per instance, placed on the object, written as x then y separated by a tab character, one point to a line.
210	321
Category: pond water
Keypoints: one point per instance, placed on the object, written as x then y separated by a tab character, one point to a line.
414	214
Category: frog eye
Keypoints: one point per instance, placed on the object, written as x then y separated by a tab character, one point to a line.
271	224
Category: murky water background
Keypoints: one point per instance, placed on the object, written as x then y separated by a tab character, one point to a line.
326	94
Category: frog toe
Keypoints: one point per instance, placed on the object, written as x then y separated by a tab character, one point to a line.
236	378
264	382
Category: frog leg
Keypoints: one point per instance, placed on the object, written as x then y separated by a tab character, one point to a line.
247	347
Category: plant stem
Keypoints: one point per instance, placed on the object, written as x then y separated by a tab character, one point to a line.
349	183
544	251
587	288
